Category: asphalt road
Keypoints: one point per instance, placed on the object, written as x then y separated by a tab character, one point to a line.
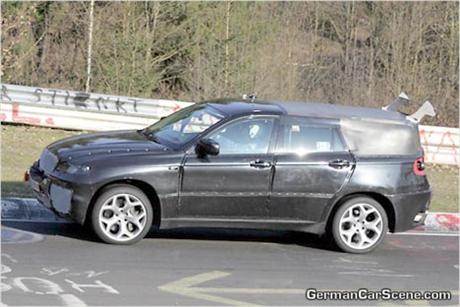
62	264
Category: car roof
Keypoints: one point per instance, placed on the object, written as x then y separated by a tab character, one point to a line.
234	107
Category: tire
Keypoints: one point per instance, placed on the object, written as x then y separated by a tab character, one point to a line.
122	214
359	225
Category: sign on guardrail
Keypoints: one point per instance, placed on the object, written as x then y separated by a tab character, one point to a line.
441	144
91	111
80	110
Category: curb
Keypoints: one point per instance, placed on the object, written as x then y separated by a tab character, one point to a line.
29	209
15	236
441	221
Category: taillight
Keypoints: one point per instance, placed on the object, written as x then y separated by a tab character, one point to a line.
26	175
419	166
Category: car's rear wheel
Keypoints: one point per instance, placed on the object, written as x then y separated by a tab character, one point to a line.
122	214
359	225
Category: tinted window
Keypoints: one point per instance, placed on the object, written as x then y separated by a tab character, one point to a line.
244	136
299	136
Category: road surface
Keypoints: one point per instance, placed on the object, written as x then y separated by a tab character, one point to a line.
59	264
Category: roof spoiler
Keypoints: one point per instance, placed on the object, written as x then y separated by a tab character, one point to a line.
417	116
425	109
401	101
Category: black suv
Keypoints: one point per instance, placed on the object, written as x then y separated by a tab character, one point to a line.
350	172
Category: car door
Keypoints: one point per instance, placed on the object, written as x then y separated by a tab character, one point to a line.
235	183
311	166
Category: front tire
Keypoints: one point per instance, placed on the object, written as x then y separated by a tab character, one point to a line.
122	214
359	225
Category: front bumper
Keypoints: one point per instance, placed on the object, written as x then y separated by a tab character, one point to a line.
410	209
57	195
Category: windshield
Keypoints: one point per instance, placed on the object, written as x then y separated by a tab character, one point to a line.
182	126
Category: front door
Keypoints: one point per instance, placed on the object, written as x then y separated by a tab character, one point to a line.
235	183
311	166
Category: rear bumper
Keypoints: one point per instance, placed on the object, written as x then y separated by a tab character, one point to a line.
63	198
410	209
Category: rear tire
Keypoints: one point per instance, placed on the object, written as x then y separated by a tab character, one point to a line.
122	214
359	225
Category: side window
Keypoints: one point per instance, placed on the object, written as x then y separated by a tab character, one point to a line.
302	137
246	136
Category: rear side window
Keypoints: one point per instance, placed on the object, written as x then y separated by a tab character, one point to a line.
368	137
300	136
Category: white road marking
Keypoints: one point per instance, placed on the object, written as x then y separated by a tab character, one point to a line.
97	284
88	274
40	286
375	273
5	269
48	221
346	260
436	234
9	257
4	287
45	285
71	300
52	271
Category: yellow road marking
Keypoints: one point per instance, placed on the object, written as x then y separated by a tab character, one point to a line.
188	287
185	287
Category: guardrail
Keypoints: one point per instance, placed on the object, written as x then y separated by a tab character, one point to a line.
80	110
91	111
441	144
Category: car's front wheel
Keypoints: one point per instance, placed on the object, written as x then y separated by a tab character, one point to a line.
359	225
122	214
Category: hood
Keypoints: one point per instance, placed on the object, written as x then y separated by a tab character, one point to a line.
104	143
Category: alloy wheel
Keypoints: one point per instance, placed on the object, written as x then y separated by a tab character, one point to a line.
122	217
361	226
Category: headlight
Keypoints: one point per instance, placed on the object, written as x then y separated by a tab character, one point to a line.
78	169
66	167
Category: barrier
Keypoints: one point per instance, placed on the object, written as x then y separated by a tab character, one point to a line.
91	111
441	144
80	110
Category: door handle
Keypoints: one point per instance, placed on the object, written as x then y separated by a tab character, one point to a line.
339	163
260	164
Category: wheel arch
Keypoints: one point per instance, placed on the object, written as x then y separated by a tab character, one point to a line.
146	188
381	199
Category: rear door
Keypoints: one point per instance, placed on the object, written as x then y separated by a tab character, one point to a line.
311	166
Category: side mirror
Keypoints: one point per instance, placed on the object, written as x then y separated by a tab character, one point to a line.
207	147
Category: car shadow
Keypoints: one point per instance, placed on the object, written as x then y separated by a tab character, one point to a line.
243	235
78	232
69	230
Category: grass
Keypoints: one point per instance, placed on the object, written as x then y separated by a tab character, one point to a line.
444	182
22	145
